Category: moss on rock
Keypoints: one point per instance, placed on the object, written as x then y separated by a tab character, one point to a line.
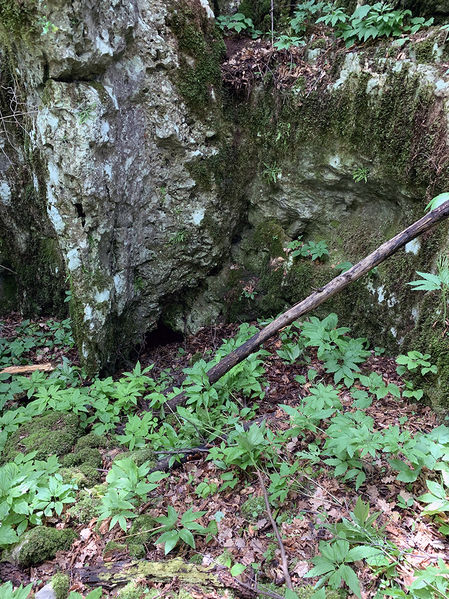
91	440
53	433
40	544
201	51
18	17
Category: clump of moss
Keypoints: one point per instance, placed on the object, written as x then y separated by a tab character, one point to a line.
201	41
60	584
112	547
253	508
53	433
85	456
91	441
132	590
17	17
140	534
86	508
42	543
270	236
140	456
88	461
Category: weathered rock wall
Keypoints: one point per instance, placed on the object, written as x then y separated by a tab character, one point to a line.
111	91
159	194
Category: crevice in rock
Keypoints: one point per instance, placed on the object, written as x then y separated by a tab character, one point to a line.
80	213
73	78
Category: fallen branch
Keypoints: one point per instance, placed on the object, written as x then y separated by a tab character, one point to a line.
213	577
288	580
47	367
357	271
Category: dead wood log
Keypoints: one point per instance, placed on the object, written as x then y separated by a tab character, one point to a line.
112	574
207	578
357	271
47	367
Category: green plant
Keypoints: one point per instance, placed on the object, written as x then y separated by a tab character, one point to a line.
128	486
285	42
315	250
244	448
237	23
371	21
7	591
333	564
173	533
360	174
435	282
376	385
178	237
414	361
206	488
271	173
303	13
430	583
437	499
86	113
310	249
137	430
29	490
95	594
439	199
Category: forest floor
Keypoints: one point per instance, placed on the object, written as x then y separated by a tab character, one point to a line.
305	516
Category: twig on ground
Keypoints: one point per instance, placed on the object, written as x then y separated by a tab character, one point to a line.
258	591
288	580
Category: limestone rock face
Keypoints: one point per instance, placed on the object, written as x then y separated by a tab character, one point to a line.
129	177
115	140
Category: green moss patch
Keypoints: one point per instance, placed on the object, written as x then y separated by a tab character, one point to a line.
87	506
88	462
18	16
201	51
53	433
40	544
60	584
141	533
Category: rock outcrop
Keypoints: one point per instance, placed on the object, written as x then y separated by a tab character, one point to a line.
132	177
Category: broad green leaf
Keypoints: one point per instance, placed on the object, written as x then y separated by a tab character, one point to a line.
437	201
7	536
187	537
323	566
350	577
237	569
361	552
169	538
436	489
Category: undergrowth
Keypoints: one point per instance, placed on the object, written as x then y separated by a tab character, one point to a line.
329	429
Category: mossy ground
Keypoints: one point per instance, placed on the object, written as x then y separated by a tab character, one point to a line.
141	533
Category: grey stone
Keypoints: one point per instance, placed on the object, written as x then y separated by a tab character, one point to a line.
46	592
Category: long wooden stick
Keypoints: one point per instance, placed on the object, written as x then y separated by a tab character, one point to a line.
357	271
288	580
